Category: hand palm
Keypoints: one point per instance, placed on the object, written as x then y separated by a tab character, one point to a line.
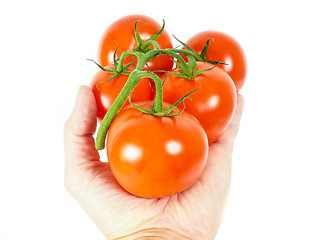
193	213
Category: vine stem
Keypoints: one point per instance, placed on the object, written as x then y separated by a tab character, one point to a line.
131	83
158	100
114	109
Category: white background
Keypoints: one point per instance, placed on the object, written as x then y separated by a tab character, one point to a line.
43	50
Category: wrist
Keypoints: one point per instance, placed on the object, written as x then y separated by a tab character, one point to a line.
156	234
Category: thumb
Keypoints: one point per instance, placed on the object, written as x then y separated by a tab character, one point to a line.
79	129
217	172
82	120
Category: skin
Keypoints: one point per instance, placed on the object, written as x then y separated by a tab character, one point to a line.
121	34
223	48
195	213
214	85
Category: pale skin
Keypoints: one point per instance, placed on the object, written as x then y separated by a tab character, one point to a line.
193	214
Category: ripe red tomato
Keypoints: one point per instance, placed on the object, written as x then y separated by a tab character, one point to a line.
121	32
224	48
213	104
106	92
155	157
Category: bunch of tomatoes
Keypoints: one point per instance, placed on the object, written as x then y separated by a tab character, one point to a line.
160	107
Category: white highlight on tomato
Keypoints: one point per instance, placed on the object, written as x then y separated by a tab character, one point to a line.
213	101
173	147
131	152
229	63
106	101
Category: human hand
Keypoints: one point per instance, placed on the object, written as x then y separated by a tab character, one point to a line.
195	213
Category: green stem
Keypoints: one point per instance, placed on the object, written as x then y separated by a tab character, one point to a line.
142	61
196	56
158	100
132	81
192	63
124	55
187	53
183	66
145	46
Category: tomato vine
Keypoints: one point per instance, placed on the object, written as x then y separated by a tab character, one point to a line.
143	53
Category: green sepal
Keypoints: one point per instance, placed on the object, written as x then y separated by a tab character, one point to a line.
136	33
129	64
204	70
164	80
114	71
192	63
157	35
146	45
174	74
179	65
113	77
213	62
102	68
175	105
168	111
185	45
178	74
146	111
203	53
205	49
115	63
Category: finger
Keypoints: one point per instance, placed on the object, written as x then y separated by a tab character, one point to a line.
82	120
228	137
79	129
217	172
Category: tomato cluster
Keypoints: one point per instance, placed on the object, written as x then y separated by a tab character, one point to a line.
158	138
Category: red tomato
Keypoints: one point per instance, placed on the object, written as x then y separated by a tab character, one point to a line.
213	104
121	32
106	92
226	49
155	157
